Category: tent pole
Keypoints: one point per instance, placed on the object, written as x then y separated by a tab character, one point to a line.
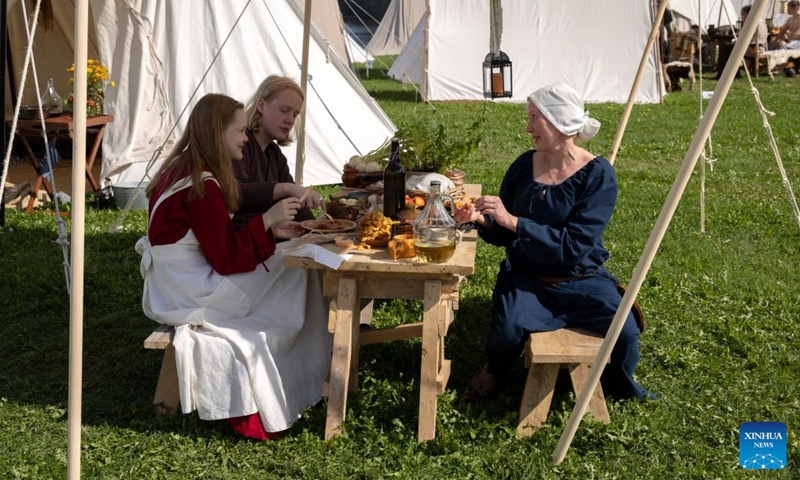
300	159
77	243
3	30
660	228
635	88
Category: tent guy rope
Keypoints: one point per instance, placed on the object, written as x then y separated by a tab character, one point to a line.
30	62
773	143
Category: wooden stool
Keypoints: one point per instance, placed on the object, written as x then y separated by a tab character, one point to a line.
545	353
167	397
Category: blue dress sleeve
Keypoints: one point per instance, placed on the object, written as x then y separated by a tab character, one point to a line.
493	233
575	241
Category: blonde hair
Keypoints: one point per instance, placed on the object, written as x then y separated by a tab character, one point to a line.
270	88
202	145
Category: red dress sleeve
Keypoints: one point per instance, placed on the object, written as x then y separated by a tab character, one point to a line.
229	250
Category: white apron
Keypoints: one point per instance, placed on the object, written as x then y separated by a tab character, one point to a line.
245	343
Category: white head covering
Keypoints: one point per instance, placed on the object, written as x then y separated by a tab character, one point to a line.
563	107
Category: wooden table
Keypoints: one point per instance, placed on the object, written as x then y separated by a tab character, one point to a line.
370	275
61	126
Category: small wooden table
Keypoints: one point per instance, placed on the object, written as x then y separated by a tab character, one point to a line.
61	126
372	274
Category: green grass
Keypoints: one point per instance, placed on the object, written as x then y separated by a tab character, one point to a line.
721	346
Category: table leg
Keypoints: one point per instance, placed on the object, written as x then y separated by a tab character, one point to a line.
434	314
365	317
92	155
347	304
37	185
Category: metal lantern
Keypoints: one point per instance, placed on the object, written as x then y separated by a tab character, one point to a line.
497	76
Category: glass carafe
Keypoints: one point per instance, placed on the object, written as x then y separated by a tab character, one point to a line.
435	232
51	99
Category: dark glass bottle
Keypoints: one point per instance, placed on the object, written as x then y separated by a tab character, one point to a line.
394	183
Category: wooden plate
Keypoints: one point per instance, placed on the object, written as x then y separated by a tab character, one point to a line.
325	226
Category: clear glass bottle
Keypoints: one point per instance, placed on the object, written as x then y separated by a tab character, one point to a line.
51	99
394	183
435	232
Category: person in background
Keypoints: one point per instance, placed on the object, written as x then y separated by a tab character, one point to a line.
263	174
554	204
251	339
758	42
788	37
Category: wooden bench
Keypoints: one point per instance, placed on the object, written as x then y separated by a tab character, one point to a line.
545	353
167	397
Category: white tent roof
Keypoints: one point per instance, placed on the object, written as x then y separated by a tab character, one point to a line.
596	49
158	51
396	26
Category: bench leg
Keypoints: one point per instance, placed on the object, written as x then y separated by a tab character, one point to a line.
536	397
167	397
597	404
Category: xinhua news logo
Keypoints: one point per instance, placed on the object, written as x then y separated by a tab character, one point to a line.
762	445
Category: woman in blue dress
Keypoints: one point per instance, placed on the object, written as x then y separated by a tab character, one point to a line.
554	204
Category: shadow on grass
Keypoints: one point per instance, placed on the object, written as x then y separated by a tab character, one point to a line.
410	96
119	376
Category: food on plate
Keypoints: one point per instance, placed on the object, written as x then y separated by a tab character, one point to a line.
330	225
374	228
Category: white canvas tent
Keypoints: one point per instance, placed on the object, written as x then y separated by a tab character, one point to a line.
158	50
356	50
407	67
396	26
593	46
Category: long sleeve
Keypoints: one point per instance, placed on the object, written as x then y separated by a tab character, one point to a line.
229	250
493	233
559	228
578	237
257	173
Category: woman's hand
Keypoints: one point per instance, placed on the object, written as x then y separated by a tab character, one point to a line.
312	199
288	230
283	211
309	197
467	214
488	205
